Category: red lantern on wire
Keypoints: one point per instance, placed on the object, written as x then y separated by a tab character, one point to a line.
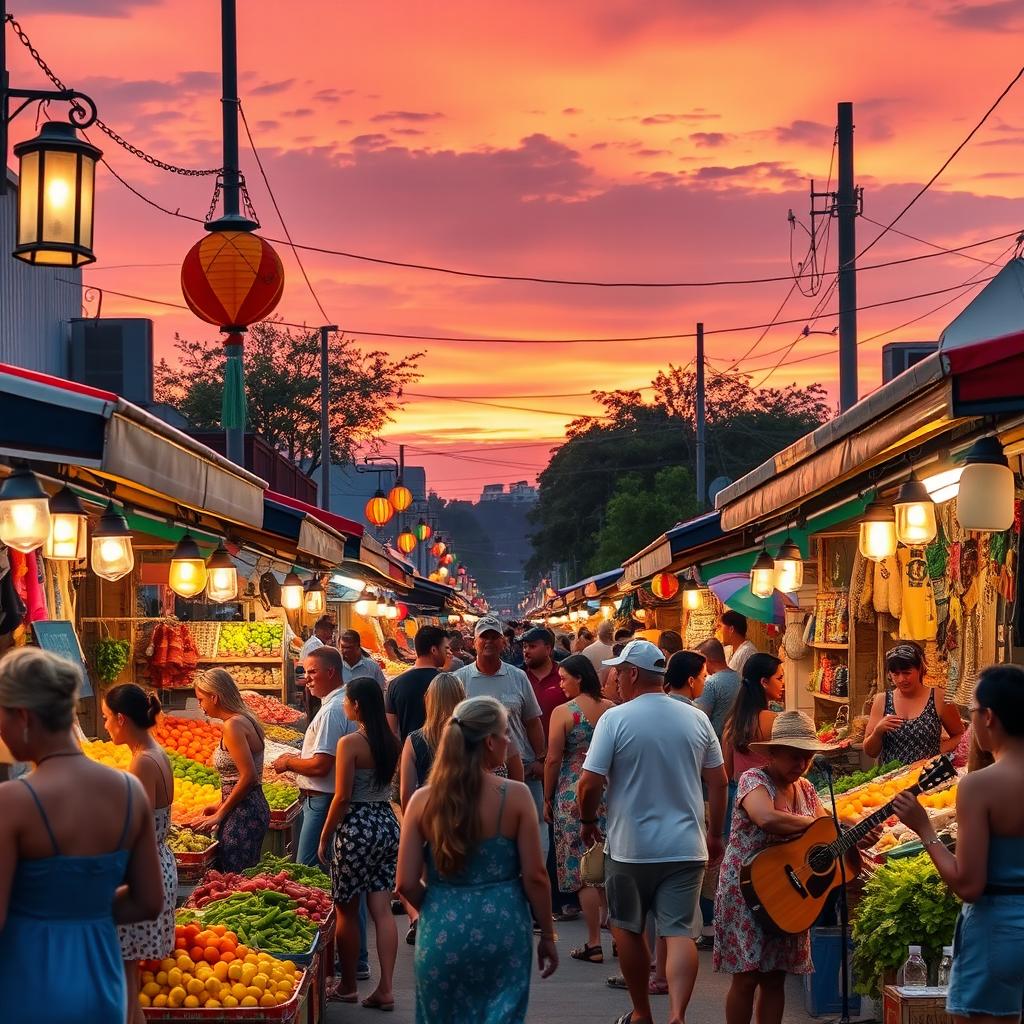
400	496
232	279
378	509
439	548
446	560
665	586
406	542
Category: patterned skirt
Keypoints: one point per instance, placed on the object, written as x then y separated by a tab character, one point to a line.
242	832
365	851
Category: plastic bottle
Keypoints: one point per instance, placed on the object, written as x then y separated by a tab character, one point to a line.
914	972
945	966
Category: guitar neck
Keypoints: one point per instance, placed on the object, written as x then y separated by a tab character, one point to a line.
849	839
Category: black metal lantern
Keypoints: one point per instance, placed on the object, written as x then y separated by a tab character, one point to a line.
56	192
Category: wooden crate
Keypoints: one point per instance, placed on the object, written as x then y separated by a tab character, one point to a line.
927	1008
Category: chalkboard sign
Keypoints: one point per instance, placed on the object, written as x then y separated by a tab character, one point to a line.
59	637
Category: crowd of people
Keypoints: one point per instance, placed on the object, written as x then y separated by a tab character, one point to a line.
622	780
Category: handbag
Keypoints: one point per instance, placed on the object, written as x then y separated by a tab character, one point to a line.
592	865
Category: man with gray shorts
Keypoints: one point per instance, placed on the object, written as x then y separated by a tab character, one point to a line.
653	752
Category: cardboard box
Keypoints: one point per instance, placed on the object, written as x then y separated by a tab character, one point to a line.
914	1006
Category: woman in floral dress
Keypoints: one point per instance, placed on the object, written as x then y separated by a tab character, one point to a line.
129	713
772	803
572	728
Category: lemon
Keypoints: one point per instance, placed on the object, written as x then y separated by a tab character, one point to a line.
234	970
176	996
213	1004
249	1001
267	1000
229	1002
144	1000
191	1002
238	990
194	987
254	992
160	1000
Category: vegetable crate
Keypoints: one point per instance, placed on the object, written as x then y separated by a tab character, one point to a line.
195	865
285	816
295	1011
899	1007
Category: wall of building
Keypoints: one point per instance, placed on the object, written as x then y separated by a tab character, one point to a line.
35	303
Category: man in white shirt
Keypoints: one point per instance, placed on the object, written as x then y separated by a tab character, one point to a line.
733	627
601	649
356	664
323	633
653	753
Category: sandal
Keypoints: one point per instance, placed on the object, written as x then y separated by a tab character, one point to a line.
628	1018
657	988
335	995
616	981
376	1003
592	954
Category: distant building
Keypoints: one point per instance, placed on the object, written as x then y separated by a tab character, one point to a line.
520	493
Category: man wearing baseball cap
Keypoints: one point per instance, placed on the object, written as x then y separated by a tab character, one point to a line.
489	676
653	753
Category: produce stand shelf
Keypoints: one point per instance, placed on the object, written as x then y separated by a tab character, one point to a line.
831	699
287	1012
227	659
819	647
194	864
285	817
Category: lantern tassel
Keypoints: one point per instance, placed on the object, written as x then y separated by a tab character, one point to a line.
233	407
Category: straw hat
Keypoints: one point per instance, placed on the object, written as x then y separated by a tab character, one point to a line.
792	729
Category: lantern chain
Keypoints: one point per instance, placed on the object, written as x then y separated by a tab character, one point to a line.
106	129
218	190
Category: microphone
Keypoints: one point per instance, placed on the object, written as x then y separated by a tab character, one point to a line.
822	764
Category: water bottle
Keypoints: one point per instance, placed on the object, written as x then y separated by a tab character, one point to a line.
945	966
914	972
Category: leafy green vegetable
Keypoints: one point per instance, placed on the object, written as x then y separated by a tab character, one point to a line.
111	657
905	903
848	782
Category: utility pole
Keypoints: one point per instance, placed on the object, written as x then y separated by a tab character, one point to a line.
847	203
325	419
700	425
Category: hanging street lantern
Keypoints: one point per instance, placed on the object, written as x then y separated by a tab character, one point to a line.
403	611
878	532
986	499
56	186
438	548
232	279
221	576
423	530
789	567
391	609
665	586
443	573
291	592
691	595
762	575
400	496
406	542
378	509
915	514
313	602
66	539
24	511
112	553
446	559
187	574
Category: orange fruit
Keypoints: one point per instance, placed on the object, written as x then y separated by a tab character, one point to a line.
211	954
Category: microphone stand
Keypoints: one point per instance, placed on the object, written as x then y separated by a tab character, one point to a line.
844	912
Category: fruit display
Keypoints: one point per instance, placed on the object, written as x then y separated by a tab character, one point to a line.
184	840
848	782
271	865
394	668
211	968
186	768
251	639
113	755
192	738
270	709
265	919
861	800
310	901
280	734
279	795
249	676
190	798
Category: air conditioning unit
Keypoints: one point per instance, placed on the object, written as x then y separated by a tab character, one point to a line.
115	354
902	355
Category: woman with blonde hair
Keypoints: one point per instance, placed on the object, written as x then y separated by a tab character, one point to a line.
443	695
485	872
79	856
243	815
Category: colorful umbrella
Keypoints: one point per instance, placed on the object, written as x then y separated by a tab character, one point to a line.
733	590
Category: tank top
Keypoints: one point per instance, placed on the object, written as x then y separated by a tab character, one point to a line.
366	790
915	739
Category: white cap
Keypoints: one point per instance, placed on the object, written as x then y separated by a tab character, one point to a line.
915	949
947	950
487	624
642	654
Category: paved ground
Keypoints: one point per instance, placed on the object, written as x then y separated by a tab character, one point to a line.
574	994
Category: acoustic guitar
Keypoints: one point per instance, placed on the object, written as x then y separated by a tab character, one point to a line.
786	884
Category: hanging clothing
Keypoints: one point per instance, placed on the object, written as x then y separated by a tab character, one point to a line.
887	594
918	617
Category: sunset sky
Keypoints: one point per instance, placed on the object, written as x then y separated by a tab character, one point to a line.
593	139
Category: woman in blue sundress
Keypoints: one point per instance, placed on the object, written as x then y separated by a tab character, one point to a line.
81	840
986	984
478	837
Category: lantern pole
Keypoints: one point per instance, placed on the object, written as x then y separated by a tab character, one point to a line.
325	422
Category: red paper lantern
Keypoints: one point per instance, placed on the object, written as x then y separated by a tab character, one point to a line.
439	548
400	497
378	509
403	611
665	586
406	542
446	560
232	279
